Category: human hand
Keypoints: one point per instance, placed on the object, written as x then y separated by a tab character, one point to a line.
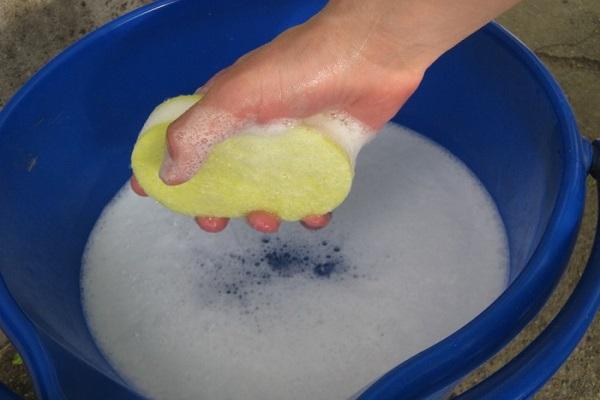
351	57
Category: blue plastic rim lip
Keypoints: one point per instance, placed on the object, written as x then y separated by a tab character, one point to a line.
455	347
428	371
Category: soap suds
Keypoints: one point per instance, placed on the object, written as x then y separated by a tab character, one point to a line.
415	252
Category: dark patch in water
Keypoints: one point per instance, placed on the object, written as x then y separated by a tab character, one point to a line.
238	275
324	269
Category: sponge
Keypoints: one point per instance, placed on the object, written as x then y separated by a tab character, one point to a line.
296	172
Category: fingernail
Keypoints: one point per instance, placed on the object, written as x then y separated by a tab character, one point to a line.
136	187
212	224
314	222
263	222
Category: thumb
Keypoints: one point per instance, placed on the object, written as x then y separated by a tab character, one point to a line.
191	137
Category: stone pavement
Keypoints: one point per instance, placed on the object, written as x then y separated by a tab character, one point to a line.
564	33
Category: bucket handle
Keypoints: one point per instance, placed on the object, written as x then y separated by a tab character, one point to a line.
528	371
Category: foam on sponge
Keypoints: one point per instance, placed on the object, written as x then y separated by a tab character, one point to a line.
291	168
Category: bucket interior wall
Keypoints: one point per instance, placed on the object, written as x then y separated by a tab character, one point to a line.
64	151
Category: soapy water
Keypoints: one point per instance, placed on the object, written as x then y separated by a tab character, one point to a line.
415	252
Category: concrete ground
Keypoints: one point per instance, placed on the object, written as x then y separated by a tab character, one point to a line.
564	33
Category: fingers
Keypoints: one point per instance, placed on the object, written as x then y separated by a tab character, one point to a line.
135	186
269	223
314	222
219	115
212	224
232	99
191	137
263	221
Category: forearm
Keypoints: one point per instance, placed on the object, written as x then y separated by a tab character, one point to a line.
419	29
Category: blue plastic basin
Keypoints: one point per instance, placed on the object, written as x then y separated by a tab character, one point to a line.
66	137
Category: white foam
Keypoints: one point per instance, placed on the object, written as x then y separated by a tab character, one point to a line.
416	251
343	129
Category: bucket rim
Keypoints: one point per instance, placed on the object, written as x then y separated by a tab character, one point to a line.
453	357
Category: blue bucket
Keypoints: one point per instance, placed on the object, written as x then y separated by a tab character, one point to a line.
66	137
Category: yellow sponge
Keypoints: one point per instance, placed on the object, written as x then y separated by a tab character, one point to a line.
296	173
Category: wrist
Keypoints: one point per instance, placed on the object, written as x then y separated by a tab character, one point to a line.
415	30
391	34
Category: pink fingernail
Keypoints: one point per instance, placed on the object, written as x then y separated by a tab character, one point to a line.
212	224
136	187
314	222
263	222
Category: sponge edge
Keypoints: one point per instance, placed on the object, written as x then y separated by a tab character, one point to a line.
293	174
